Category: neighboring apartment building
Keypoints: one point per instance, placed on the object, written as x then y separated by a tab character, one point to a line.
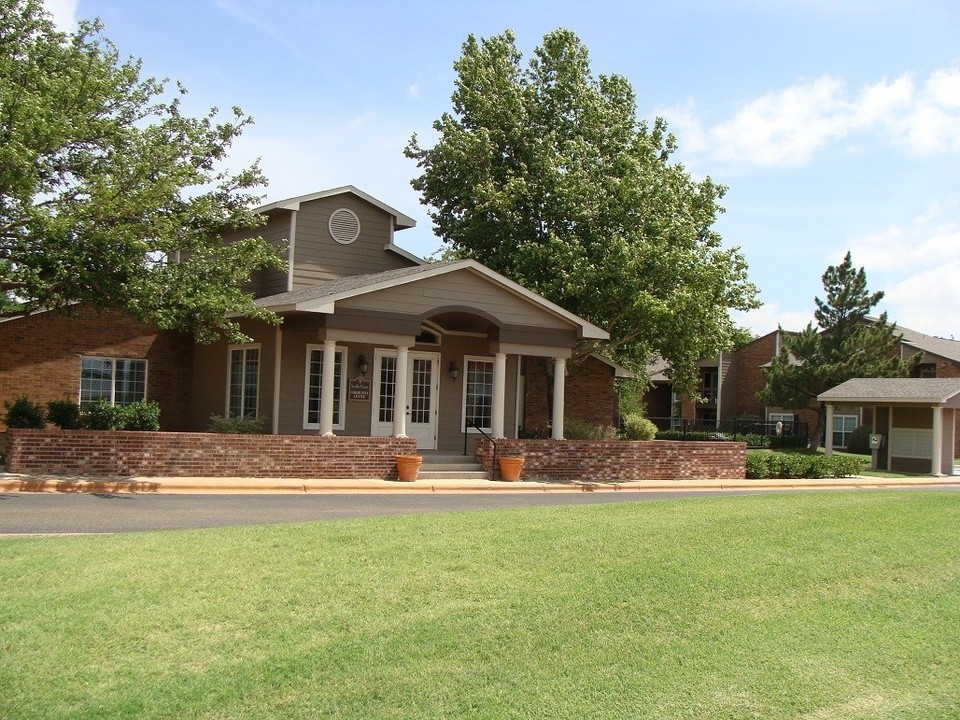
374	341
729	385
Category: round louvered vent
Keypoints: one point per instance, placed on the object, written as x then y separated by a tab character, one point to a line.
344	226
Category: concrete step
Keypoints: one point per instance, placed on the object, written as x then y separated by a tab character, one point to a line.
451	474
459	467
432	458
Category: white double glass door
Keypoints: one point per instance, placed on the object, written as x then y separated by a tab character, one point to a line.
423	382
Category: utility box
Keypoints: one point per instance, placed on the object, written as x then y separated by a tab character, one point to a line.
876	441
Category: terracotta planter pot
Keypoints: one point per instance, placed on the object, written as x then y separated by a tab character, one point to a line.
510	468
408	466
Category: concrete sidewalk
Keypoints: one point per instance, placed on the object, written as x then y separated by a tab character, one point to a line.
33	483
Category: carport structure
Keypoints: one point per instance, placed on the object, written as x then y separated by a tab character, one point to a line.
915	416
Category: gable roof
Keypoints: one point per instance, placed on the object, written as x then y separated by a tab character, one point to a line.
913	391
402	222
323	297
949	349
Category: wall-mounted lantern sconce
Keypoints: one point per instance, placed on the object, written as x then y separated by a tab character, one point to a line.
362	364
454	370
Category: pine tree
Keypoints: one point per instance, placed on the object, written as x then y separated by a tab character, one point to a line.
846	343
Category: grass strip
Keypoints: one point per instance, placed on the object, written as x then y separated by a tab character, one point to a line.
814	606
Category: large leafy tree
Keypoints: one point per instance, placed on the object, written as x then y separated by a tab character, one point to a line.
109	194
845	343
545	174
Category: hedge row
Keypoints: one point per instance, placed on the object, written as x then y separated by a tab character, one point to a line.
751	439
761	464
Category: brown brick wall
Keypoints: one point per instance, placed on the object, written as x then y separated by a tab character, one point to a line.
589	394
620	461
158	454
748	361
40	358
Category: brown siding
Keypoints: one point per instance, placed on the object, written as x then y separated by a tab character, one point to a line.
210	364
913	417
461	288
276	232
318	257
40	358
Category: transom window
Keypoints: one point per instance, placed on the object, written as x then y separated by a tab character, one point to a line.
119	381
312	389
478	393
244	386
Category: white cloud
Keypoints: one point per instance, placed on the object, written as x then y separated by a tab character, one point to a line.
413	91
928	301
64	13
787	126
917	265
769	317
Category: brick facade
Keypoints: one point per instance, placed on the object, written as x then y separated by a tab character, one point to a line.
158	454
589	394
620	461
40	358
748	362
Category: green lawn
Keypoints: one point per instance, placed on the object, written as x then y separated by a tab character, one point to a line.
814	606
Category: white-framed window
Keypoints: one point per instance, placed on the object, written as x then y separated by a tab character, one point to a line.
119	381
243	380
843	425
312	385
478	393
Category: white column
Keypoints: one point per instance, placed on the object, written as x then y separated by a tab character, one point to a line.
326	386
828	432
498	402
559	373
937	461
401	394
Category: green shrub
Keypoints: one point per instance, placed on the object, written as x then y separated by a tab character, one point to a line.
140	415
637	427
762	464
858	442
65	414
22	413
237	425
579	430
101	415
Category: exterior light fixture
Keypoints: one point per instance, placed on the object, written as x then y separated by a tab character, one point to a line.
454	370
362	364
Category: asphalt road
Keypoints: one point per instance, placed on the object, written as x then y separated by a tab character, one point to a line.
53	513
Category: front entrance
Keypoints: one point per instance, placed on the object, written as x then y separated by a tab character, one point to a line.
423	380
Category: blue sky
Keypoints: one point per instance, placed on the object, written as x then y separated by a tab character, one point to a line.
834	123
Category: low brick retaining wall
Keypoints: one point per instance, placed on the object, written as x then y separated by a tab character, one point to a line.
620	461
158	454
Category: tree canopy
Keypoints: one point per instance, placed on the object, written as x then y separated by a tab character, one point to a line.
109	194
545	174
846	343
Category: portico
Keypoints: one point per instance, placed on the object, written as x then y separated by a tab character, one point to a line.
449	342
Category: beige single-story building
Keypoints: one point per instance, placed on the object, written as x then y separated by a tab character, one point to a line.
913	417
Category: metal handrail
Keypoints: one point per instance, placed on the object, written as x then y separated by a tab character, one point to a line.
468	422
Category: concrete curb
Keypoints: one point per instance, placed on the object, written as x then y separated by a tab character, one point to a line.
27	483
